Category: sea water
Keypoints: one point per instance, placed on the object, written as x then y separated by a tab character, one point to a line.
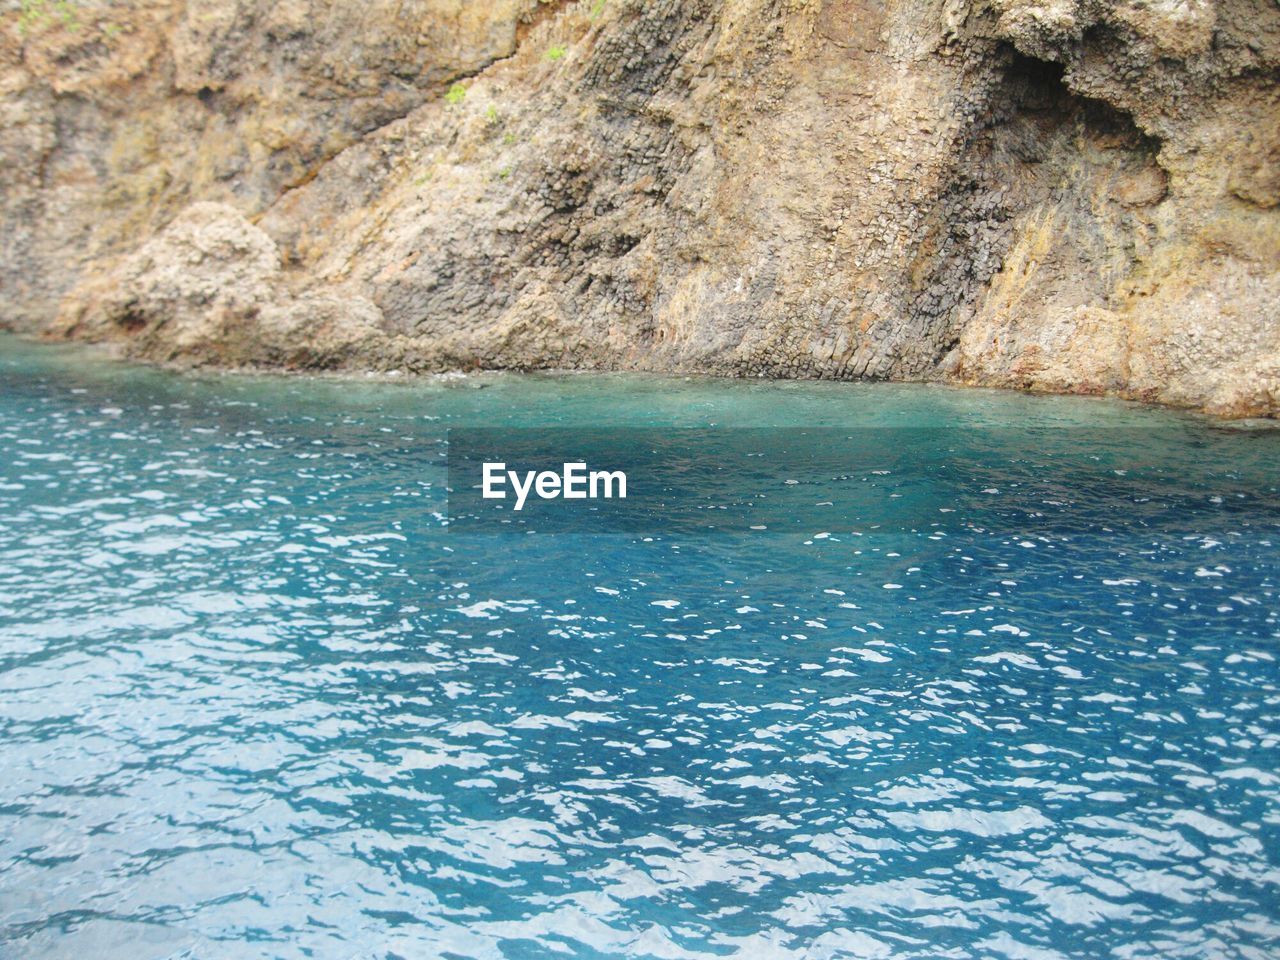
257	699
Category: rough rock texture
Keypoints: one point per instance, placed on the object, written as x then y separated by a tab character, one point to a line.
1044	194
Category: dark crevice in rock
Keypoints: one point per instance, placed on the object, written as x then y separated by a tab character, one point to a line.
131	319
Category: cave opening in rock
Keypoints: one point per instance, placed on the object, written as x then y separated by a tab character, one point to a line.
1041	166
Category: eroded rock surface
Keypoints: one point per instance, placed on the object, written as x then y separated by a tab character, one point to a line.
1067	196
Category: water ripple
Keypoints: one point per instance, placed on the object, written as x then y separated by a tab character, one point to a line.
256	701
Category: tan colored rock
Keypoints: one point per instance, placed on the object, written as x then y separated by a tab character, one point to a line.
1041	194
209	288
125	113
1178	28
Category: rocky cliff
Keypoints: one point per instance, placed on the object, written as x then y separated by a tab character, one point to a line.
1066	195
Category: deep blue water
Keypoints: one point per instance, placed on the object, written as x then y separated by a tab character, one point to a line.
257	701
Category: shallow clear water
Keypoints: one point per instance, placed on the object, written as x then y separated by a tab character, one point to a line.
255	700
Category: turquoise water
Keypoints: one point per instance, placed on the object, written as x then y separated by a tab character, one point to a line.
256	700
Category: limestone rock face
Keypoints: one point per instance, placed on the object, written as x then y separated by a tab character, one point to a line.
209	287
1040	194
